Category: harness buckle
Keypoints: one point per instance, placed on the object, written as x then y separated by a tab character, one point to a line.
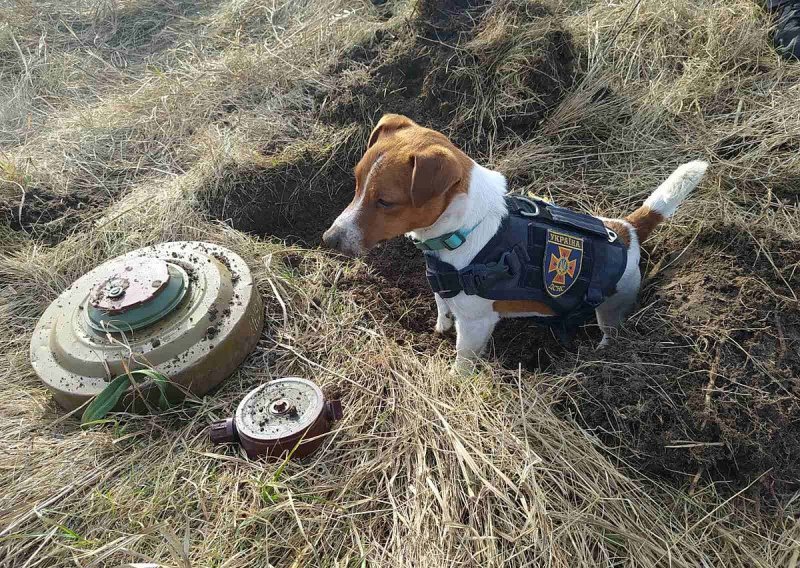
531	203
612	235
479	278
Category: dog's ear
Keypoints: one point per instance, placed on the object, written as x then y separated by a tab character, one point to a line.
434	171
387	124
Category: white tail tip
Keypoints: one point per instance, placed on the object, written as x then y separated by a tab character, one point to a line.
669	195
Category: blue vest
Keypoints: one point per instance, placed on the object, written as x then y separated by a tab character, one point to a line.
569	261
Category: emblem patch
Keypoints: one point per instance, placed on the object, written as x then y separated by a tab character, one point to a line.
563	254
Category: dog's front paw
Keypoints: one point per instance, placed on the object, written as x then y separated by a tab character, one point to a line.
464	367
444	323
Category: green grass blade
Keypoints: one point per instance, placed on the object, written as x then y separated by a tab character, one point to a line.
160	381
106	399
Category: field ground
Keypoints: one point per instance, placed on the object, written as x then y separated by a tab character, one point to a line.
131	122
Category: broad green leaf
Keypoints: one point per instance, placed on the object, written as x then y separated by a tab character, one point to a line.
106	399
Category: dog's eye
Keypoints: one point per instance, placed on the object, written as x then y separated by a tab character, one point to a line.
384	204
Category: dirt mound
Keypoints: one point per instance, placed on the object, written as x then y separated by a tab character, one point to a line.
487	73
483	75
479	71
47	215
708	376
397	294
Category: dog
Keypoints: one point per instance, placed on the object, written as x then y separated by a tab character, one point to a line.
414	181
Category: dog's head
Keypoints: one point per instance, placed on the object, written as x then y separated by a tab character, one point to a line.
405	181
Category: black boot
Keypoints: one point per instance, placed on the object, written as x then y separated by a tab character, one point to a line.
787	26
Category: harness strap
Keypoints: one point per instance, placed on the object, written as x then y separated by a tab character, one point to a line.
594	293
474	279
580	221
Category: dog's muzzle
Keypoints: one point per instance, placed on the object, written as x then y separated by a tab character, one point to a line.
345	240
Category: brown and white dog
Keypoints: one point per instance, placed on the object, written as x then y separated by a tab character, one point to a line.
414	181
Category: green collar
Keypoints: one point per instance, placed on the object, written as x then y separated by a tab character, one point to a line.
448	241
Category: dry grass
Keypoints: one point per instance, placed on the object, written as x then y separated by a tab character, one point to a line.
120	120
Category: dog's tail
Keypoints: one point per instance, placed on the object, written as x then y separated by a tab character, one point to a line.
665	200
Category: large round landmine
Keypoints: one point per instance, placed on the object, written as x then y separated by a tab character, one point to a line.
282	416
188	310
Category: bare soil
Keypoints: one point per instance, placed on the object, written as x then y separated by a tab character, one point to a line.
49	216
413	71
705	378
297	192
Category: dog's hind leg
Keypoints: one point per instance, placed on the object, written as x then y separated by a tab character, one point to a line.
612	312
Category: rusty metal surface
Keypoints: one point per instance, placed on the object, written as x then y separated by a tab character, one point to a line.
196	345
144	314
278	417
280	408
125	284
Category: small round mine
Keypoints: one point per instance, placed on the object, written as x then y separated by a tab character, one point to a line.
279	409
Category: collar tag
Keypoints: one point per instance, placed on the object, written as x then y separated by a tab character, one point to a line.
454	241
449	241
